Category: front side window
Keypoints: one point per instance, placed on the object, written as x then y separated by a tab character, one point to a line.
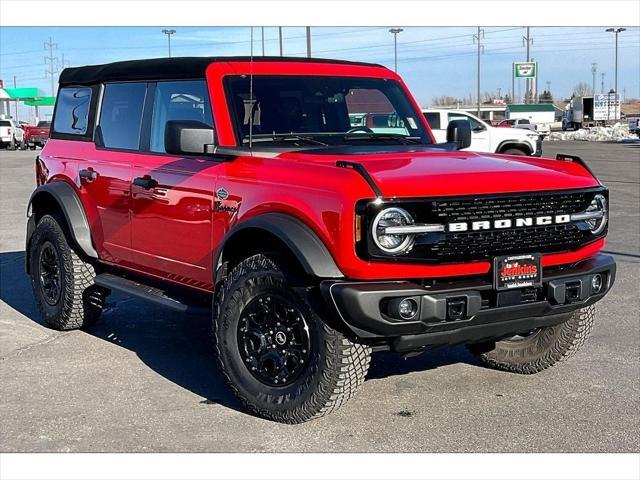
187	100
475	124
72	110
433	119
121	115
323	110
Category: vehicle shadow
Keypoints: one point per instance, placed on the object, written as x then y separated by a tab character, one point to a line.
178	347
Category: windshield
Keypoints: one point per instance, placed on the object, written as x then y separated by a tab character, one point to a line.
44	124
322	110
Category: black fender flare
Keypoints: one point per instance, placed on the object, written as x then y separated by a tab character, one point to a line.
305	245
71	206
515	143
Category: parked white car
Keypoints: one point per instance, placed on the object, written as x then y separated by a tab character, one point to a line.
484	137
11	135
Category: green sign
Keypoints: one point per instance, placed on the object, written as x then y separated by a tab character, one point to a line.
525	69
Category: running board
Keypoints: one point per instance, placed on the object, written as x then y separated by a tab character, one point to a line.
149	293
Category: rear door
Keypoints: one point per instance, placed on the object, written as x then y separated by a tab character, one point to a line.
172	195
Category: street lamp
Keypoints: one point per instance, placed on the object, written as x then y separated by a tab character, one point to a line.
395	32
616	31
168	33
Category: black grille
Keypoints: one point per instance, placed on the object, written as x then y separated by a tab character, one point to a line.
485	244
455	247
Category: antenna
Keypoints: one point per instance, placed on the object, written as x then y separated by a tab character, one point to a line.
251	94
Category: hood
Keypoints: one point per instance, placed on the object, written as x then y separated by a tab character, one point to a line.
435	173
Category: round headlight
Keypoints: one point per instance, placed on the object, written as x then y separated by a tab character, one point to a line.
393	244
598	204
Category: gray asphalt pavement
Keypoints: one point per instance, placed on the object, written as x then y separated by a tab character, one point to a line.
143	378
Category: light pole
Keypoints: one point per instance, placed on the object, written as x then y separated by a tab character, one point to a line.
594	71
616	31
395	32
168	33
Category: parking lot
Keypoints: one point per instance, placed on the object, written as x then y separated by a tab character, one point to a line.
144	379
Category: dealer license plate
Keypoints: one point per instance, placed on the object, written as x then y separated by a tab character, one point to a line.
517	271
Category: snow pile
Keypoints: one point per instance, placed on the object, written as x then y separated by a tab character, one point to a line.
616	133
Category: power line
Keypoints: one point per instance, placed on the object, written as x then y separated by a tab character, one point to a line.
52	66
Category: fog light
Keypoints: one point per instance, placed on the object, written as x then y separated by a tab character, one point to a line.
407	308
596	283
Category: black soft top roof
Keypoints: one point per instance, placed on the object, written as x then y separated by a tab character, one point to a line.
175	68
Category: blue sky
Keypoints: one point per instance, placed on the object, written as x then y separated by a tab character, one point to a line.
434	61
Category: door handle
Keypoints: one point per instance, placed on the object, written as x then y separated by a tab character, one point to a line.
145	182
88	174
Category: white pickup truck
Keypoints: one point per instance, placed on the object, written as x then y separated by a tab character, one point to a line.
484	137
541	128
11	135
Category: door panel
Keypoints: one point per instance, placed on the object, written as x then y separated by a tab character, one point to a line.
107	182
171	208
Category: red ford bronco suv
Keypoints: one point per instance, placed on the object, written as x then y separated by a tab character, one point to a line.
241	187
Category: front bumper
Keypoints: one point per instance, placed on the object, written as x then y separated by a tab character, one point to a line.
483	312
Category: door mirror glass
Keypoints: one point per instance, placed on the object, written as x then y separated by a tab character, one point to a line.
187	137
459	133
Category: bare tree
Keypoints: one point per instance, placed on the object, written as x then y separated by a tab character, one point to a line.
444	100
582	89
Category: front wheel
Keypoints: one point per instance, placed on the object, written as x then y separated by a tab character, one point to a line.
514	151
539	349
277	355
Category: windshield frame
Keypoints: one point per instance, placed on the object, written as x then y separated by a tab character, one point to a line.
425	135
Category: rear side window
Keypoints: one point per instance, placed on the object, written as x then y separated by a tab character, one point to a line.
72	110
524	121
121	115
4	123
433	119
186	100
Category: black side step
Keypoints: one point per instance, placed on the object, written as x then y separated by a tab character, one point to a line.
147	292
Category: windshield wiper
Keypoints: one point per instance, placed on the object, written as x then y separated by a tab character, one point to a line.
383	136
284	137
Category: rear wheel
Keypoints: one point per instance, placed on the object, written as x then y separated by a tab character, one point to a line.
276	353
63	284
539	349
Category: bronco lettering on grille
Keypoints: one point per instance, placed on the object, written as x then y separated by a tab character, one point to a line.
503	223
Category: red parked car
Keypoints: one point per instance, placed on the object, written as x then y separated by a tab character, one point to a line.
36	135
240	188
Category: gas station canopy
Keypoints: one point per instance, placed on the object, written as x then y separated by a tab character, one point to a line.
23	93
41	102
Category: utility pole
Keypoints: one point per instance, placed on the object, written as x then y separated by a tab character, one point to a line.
280	39
52	67
548	82
15	85
528	41
308	42
499	89
535	84
594	71
616	31
262	36
477	39
602	83
513	83
395	32
168	33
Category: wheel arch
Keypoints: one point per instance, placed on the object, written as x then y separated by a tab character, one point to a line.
287	234
60	197
505	144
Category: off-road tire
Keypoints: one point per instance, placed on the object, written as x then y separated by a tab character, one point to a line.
537	352
336	368
514	151
80	302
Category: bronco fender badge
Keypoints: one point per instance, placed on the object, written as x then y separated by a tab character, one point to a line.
222	194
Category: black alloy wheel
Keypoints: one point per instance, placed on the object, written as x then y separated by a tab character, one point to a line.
273	339
50	273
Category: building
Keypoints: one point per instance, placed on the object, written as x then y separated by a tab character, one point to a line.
534	112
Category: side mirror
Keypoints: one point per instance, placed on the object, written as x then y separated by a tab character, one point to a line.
187	137
459	132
